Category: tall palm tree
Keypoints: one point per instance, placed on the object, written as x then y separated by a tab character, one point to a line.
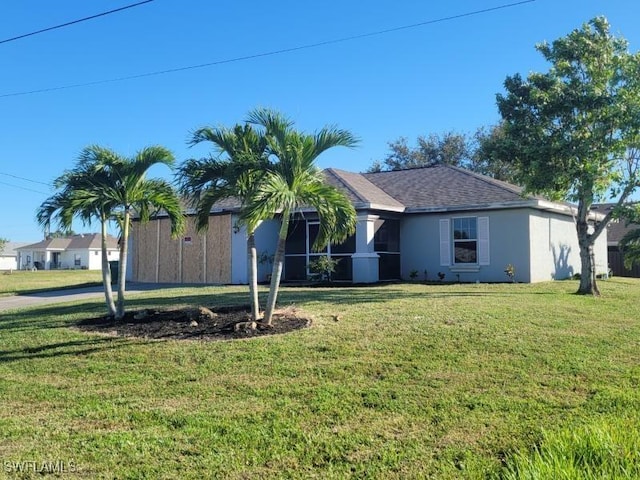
79	197
130	192
295	182
240	161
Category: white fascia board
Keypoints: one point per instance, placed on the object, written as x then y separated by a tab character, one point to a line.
538	204
571	210
360	206
376	206
473	207
561	208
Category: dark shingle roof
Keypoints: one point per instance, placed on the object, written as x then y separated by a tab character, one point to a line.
436	187
617	228
443	186
360	190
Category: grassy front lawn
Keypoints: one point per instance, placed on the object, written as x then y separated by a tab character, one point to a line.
414	381
22	281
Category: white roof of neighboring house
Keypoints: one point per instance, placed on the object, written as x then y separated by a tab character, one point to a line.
11	249
75	242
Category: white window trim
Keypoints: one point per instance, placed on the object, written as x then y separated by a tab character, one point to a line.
447	244
483	241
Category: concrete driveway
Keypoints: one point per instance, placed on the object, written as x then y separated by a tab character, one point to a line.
70	295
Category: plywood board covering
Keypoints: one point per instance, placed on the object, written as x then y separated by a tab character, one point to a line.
192	255
218	249
169	263
205	258
146	251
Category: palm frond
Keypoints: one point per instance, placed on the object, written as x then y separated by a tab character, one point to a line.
630	248
330	137
336	213
272	195
242	161
275	125
160	198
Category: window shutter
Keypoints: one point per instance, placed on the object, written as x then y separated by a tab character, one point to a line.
445	242
483	240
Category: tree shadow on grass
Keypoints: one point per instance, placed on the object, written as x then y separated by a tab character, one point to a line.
65	315
52	350
377	294
47	316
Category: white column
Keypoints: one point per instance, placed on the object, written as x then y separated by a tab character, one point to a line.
365	260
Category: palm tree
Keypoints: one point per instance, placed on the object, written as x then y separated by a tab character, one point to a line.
79	196
630	247
239	163
130	192
296	182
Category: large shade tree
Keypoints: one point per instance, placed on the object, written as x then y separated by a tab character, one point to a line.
449	148
573	130
239	162
483	152
490	157
295	182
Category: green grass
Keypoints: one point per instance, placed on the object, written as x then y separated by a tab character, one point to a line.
22	281
414	381
605	449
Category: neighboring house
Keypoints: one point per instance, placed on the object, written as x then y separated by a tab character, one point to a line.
617	229
439	221
76	252
9	255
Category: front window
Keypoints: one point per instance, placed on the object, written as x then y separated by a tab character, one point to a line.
465	240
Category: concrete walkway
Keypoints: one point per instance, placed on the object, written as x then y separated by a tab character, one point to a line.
70	295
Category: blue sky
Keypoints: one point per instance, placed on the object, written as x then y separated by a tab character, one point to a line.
429	79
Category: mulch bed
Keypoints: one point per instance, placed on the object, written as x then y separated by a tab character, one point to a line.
199	323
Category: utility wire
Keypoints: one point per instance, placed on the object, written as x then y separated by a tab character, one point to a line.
271	53
73	22
23	188
25	179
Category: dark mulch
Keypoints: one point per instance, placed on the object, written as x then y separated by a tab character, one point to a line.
221	323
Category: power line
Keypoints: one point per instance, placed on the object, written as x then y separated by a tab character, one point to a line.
73	22
23	188
270	53
25	179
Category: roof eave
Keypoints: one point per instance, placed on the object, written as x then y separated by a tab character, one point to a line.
567	209
474	207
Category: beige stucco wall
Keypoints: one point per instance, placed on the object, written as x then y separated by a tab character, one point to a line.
204	258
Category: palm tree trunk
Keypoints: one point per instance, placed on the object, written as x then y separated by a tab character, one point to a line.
253	275
278	262
106	271
122	268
